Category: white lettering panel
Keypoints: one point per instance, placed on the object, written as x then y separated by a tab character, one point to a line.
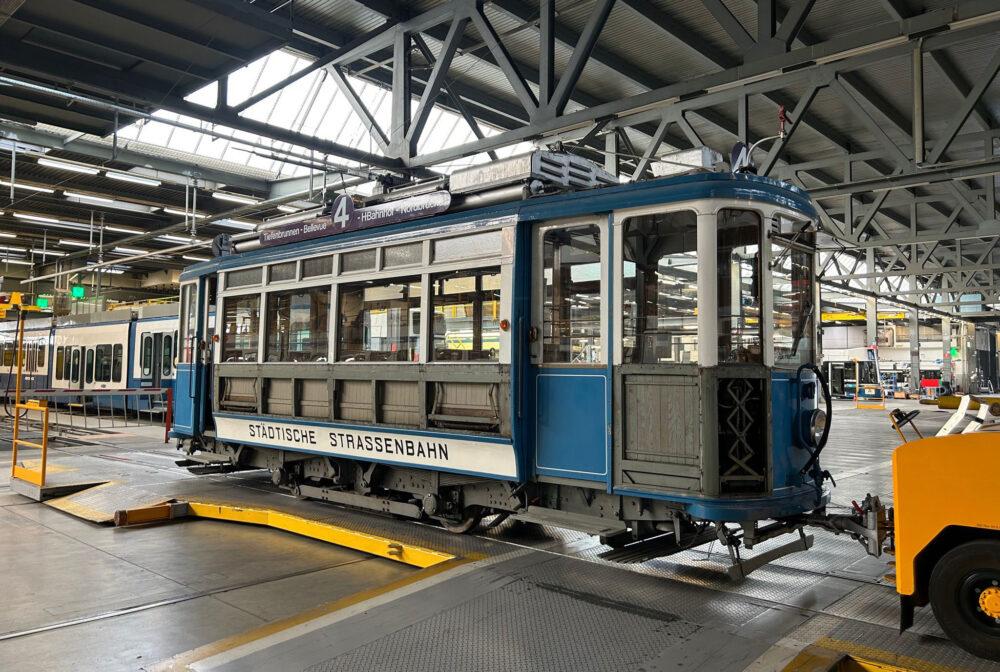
428	452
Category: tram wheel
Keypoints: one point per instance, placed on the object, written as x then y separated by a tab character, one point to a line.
965	596
473	515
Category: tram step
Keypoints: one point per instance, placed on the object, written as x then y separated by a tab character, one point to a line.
657	547
571	521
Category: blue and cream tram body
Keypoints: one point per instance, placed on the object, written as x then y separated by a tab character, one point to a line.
629	359
35	367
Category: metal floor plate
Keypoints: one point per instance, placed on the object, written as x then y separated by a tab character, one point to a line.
98	504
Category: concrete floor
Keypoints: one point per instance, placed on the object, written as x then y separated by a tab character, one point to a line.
81	596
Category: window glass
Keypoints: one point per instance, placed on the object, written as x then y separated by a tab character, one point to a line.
466	247
466	309
402	255
297	325
189	321
282	272
40	361
90	365
792	279
167	355
317	266
738	266
660	288
67	375
60	362
116	366
363	260
76	365
8	354
243	278
241	328
379	320
571	303
146	356
102	366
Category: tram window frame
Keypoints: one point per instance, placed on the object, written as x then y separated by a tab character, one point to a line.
278	273
166	354
355	350
188	323
441	350
75	366
89	367
103	363
252	334
789	252
308	267
60	363
733	234
242	278
280	350
557	328
145	355
117	357
8	354
40	355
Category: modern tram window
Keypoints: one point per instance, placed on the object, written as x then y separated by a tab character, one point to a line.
8	354
60	363
241	328
466	309
792	280
377	319
76	366
103	363
146	355
297	325
571	306
90	365
40	358
660	288
189	321
738	267
167	355
116	363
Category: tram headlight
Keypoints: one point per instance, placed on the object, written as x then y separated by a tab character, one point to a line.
815	426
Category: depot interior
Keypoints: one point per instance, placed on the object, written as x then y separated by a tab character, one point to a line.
139	139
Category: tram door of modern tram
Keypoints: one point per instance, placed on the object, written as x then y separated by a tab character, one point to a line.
151	358
569	375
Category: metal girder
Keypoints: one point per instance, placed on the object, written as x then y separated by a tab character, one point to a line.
919	177
581	54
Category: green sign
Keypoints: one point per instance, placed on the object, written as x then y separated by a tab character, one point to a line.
77	291
42	303
954	353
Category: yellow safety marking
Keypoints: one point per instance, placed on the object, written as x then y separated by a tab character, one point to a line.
858	657
184	660
367	543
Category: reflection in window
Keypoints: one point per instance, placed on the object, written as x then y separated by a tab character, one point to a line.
146	356
739	286
241	328
793	305
40	360
571	308
297	324
380	320
466	309
102	366
90	365
116	365
189	321
76	366
167	355
660	292
60	362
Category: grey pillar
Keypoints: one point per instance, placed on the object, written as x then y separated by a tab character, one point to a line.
914	351
946	349
871	304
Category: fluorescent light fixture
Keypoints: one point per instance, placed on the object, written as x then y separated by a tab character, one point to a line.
36	218
75	243
29	187
87	197
125	177
7	235
174	211
128	250
112	270
118	229
22	262
75	167
234	198
191	257
12	249
175	239
49	252
236	224
287	208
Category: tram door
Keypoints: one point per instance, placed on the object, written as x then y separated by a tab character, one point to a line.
569	375
192	405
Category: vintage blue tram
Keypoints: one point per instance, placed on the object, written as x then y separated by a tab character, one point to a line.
528	338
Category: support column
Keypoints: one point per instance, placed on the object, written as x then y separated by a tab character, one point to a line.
914	351
946	349
871	304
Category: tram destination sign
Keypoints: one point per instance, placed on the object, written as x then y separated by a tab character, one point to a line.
344	217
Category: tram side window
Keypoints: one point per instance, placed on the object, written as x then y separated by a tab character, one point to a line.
90	365
102	365
792	280
40	359
571	307
738	266
8	354
167	355
297	325
189	321
146	355
76	366
241	328
379	321
116	362
466	309
660	288
60	362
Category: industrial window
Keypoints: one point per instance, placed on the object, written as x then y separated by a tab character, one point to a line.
116	362
466	247
660	288
60	363
167	355
317	266
241	328
76	366
146	356
102	363
243	278
362	260
466	309
297	325
571	305
738	267
282	272
90	365
792	293
380	320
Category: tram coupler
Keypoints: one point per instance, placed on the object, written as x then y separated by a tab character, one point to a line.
870	523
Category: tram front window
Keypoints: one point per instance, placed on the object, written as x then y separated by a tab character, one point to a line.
571	308
793	305
467	315
297	323
738	267
660	292
241	328
379	320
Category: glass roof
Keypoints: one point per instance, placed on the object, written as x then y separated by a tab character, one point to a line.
313	105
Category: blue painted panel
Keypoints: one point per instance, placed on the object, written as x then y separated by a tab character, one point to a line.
571	428
788	455
183	403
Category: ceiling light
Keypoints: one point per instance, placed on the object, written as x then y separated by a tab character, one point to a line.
75	167
12	249
174	211
128	250
118	229
235	198
190	257
75	243
36	218
88	197
7	235
17	261
29	187
124	177
236	224
287	208
49	252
